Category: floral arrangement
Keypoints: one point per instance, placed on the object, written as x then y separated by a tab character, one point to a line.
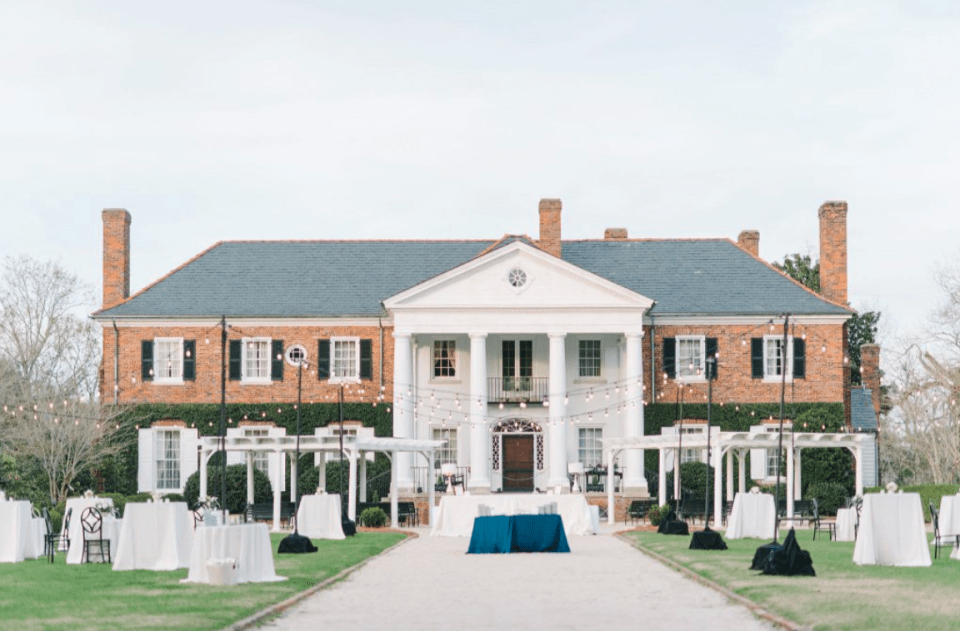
88	494
208	502
891	487
104	508
320	490
755	490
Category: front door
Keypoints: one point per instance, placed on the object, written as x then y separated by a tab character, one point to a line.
518	463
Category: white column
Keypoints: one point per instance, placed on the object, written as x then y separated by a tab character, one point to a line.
394	500
431	488
352	494
277	489
293	477
858	454
558	424
662	479
479	437
204	459
797	469
611	501
717	458
403	405
249	477
322	471
363	478
789	484
742	470
730	475
634	482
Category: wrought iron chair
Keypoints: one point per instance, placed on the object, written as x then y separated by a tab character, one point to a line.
92	522
822	524
197	515
937	538
64	538
50	539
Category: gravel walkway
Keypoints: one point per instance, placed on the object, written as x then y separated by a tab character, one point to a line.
431	584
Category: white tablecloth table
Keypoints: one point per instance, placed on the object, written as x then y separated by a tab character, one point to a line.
111	533
16	531
753	515
248	544
154	536
38	535
950	522
892	531
846	525
318	517
77	504
454	517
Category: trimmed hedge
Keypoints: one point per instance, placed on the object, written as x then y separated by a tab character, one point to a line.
829	495
929	493
236	498
373	517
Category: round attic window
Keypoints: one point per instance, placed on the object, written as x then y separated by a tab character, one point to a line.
517	278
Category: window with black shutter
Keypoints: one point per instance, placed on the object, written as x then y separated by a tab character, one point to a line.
366	359
711	352
323	359
670	357
236	359
146	360
189	360
756	357
276	360
799	358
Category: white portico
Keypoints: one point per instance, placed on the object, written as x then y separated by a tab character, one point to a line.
521	361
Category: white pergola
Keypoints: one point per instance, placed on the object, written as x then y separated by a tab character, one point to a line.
728	444
354	448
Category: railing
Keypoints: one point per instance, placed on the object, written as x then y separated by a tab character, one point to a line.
517	389
379	484
422	476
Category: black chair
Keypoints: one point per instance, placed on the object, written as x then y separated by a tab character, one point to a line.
64	538
197	515
92	522
937	539
50	539
727	510
821	524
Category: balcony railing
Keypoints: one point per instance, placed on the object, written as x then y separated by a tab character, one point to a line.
517	389
422	476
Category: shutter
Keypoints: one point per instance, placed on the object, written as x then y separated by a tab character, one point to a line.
236	353
711	367
323	359
189	360
276	360
799	358
146	463
756	356
146	360
670	357
366	359
189	448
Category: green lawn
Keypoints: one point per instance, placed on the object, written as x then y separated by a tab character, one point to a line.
843	596
36	595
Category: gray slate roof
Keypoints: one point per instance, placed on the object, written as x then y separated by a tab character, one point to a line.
862	415
351	278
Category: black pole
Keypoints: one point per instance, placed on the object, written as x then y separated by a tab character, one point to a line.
223	417
783	392
349	528
296	503
711	370
679	459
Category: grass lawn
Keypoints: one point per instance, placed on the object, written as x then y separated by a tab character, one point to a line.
843	596
36	595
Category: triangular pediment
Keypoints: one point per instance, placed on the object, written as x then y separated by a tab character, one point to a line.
518	275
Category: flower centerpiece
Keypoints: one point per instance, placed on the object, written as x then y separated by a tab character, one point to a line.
208	502
891	487
755	490
88	494
104	508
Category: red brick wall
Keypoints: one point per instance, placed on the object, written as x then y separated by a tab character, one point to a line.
550	226
206	387
833	251
825	368
116	256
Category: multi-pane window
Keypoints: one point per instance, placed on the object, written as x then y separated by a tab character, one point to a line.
344	358
444	358
691	455
774	357
168	459
689	356
261	459
772	454
591	449
256	359
589	358
447	453
168	359
517	364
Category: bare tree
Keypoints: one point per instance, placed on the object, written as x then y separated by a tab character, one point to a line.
49	364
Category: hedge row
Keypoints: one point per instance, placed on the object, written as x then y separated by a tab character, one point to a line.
929	494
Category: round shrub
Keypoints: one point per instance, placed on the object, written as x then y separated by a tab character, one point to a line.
693	479
373	517
138	498
829	495
656	514
236	487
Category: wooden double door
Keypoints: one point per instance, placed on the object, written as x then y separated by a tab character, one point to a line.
518	463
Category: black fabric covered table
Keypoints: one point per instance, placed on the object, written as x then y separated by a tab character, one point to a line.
518	533
707	539
673	526
789	559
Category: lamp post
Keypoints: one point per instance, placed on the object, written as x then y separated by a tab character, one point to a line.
223	418
295	543
349	527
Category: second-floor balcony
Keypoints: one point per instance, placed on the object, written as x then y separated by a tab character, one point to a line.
517	389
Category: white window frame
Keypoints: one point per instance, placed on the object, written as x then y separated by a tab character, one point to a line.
335	376
449	453
454	359
261	459
771	459
580	359
167	466
176	361
245	377
767	358
590	446
683	367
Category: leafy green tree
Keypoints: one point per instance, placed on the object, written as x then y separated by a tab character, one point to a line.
861	328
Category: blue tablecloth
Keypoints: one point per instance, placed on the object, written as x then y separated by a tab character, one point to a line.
518	533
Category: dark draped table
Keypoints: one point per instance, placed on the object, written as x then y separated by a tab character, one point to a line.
518	533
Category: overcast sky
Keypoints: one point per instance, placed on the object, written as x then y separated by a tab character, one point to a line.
301	120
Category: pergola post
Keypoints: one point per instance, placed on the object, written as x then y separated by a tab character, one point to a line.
276	492
662	477
363	477
858	454
204	459
394	500
352	492
717	457
742	470
789	482
249	478
611	504
431	487
729	475
796	475
293	479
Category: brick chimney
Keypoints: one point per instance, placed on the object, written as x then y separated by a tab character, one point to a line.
833	251
550	226
615	233
749	241
116	256
870	372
